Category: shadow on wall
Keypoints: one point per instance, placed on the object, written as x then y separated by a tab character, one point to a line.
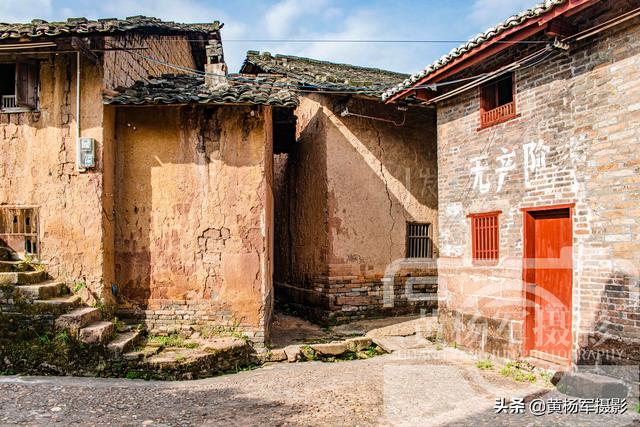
615	337
187	194
344	195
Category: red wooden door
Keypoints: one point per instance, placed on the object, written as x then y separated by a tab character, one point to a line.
551	250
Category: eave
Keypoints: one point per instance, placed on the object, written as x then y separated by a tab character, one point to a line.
496	45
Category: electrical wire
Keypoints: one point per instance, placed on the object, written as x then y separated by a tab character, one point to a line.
370	89
350	41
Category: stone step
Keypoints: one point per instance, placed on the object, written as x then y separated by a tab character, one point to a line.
122	343
97	333
42	291
78	318
58	305
10	266
22	278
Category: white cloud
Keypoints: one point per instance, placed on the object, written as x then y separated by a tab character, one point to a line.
179	11
488	13
24	10
283	18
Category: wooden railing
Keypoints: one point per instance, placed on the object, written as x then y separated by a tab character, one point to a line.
501	113
19	228
8	101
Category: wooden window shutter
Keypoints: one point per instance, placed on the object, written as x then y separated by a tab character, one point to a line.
485	238
27	84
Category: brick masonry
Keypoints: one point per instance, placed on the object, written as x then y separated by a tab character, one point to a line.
582	110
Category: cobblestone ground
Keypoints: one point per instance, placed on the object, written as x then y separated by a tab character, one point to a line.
410	388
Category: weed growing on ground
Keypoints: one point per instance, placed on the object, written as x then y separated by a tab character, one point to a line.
439	346
77	287
172	340
516	371
308	353
63	337
546	376
484	364
119	324
29	263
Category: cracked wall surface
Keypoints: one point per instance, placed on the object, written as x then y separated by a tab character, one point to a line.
193	216
37	167
353	185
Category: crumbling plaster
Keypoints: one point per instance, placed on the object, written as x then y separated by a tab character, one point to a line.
194	215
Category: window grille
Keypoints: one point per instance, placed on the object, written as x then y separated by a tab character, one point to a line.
485	237
19	229
419	243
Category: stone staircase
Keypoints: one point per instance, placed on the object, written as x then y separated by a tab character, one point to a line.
25	291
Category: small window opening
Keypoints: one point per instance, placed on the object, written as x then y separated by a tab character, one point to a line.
419	243
485	238
497	101
18	86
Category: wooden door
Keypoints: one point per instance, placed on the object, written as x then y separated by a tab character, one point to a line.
549	271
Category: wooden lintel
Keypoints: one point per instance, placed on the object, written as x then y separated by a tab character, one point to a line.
425	94
560	27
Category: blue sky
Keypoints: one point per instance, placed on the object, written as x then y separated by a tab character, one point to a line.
305	19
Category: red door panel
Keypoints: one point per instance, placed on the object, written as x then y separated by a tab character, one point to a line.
549	247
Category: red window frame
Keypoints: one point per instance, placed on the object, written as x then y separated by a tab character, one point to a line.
485	237
491	111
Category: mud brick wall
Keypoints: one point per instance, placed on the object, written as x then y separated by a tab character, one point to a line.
37	168
123	68
582	110
350	187
193	217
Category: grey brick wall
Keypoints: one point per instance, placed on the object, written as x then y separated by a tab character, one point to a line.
581	109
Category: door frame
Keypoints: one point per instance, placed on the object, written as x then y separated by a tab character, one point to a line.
529	271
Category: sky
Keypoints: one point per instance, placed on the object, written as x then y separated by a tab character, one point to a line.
444	20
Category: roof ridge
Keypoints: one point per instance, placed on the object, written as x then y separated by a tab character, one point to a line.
535	11
319	61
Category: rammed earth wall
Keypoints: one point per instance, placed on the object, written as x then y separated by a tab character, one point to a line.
343	199
193	216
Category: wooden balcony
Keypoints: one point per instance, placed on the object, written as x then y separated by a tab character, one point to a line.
497	115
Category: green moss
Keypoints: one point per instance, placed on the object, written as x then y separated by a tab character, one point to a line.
171	340
77	287
223	331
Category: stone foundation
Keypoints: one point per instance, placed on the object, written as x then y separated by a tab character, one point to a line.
339	299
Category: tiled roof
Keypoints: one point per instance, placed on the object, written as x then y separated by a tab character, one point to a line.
323	75
39	28
187	89
513	21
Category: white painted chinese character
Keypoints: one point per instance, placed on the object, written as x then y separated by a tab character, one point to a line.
535	159
478	170
507	164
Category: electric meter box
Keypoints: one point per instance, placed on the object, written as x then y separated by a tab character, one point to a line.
86	153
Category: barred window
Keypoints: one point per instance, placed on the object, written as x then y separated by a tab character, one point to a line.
419	243
485	237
